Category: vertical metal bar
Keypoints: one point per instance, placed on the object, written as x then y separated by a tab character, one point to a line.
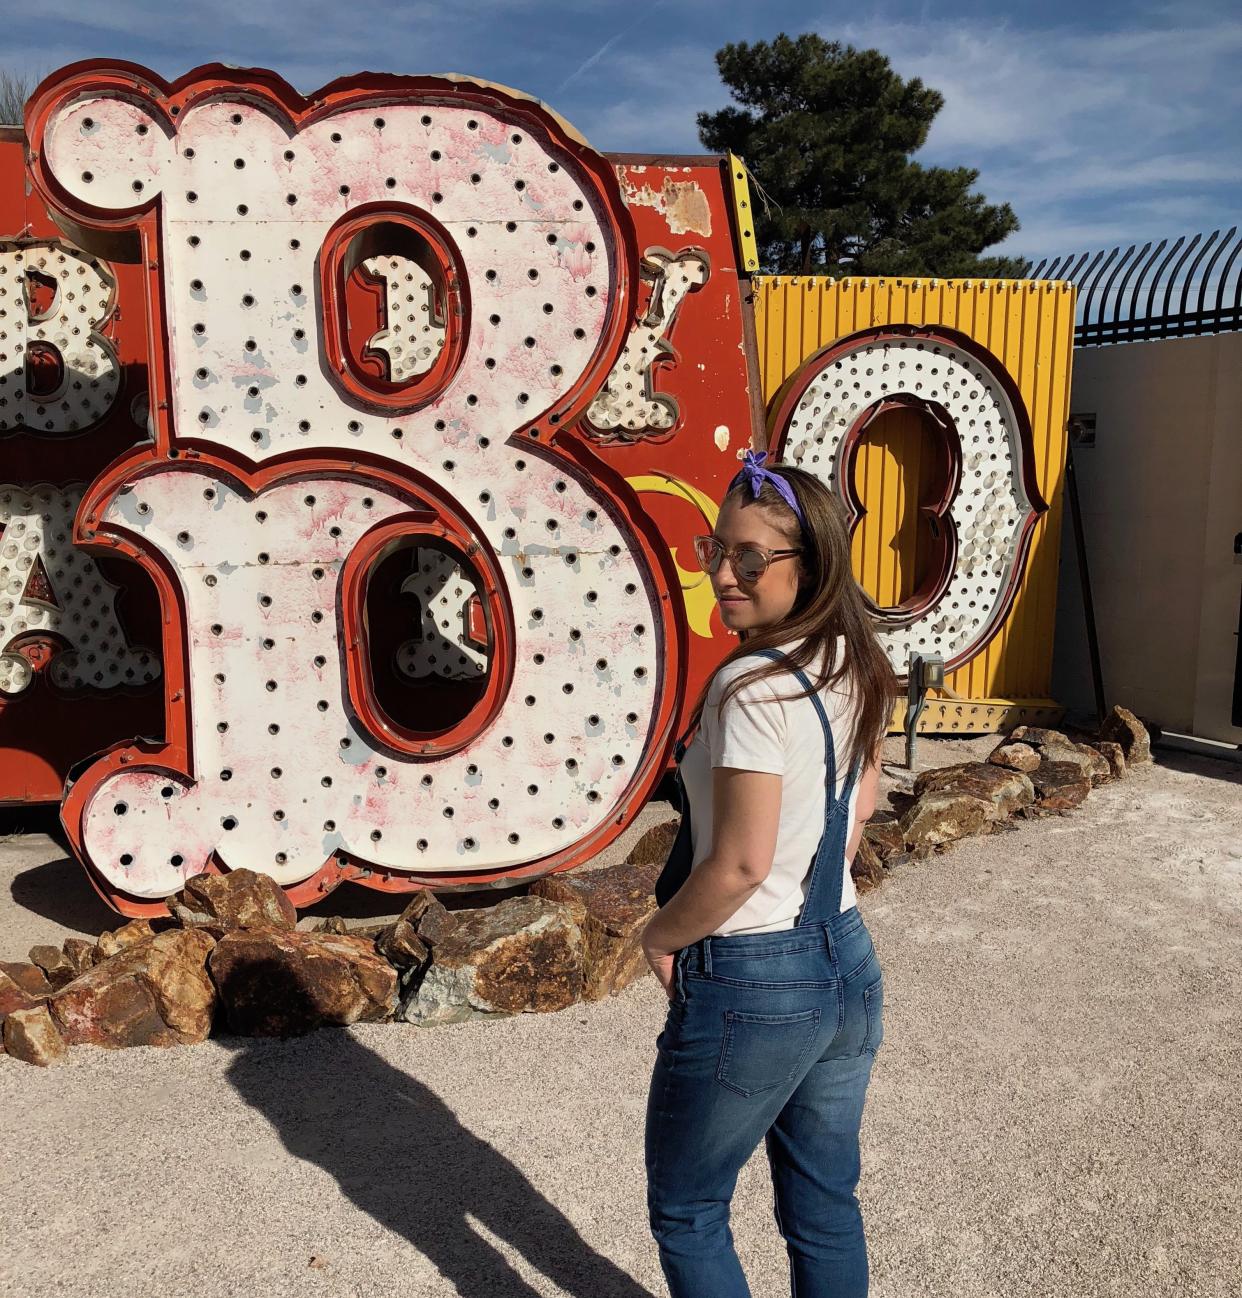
1084	577
1190	274
1155	284
1224	279
1108	287
1168	292
1138	285
1207	271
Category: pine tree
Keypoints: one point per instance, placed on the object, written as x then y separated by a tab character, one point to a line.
827	130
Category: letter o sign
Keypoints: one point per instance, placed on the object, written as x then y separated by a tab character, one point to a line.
985	501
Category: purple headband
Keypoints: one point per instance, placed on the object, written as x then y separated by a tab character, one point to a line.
753	473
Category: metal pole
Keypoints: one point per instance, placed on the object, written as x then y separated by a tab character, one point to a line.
1084	577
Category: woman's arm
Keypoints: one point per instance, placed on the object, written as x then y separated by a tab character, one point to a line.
864	809
746	811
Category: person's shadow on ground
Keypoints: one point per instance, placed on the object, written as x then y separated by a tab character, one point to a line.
398	1152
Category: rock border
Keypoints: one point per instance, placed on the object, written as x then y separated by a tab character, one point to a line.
230	957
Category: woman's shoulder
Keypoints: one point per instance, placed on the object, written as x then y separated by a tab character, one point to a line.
733	670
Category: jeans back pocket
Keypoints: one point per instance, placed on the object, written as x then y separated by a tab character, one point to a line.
873	999
761	1051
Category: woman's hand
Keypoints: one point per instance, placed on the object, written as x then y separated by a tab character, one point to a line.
660	960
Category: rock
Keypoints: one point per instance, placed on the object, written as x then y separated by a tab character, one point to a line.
80	954
401	946
31	1036
1122	727
866	869
239	899
943	817
333	924
14	997
1060	785
154	993
523	954
1004	790
55	965
612	907
883	832
655	845
1113	754
130	934
1017	757
428	917
1053	746
29	977
283	983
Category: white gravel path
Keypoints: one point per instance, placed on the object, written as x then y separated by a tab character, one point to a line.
1057	1109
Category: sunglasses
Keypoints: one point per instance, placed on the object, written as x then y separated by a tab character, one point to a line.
749	562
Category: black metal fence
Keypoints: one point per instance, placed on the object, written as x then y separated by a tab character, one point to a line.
1191	285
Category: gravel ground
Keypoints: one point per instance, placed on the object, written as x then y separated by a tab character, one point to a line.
1055	1111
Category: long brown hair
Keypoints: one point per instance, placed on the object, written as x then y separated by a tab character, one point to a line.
829	604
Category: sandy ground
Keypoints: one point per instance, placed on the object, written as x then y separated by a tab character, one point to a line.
1056	1109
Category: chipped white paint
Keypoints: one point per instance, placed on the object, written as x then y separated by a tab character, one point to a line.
682	203
82	297
244	334
414	335
627	403
721	437
990	506
50	587
284	775
262	600
444	590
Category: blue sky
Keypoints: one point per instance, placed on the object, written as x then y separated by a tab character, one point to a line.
1100	123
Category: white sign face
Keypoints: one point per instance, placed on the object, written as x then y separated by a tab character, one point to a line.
517	300
990	512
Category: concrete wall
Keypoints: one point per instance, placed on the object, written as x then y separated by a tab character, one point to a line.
1161	494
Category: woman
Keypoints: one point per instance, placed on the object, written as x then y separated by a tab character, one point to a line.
774	987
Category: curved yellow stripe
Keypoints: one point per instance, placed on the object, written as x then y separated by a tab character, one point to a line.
696	590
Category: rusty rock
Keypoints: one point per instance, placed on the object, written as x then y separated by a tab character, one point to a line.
524	954
55	965
612	907
154	993
401	946
429	918
80	954
110	943
31	1036
883	832
1122	727
279	983
1004	790
1015	756
1113	754
655	845
239	899
942	817
14	997
1060	785
1053	746
29	977
333	924
866	869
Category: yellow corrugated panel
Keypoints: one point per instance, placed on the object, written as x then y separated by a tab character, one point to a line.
1029	327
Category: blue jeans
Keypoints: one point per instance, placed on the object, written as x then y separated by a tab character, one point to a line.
769	1036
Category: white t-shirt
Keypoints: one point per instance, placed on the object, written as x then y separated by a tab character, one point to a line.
762	732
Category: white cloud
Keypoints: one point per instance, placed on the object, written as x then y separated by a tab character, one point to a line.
1091	136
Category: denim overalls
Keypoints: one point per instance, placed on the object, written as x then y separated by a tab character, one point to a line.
768	1036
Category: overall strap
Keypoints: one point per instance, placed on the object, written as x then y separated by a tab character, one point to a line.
827	877
830	748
